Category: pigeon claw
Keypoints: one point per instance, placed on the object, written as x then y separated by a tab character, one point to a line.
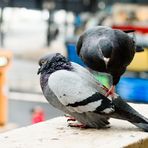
69	118
72	122
80	125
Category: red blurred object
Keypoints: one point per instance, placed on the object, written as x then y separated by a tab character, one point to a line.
38	115
131	27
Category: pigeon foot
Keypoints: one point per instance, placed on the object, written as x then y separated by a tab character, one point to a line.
78	125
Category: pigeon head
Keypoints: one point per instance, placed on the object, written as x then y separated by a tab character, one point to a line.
53	62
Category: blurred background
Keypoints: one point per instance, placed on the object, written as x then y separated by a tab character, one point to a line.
32	28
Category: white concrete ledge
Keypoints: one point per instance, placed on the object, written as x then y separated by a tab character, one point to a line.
55	133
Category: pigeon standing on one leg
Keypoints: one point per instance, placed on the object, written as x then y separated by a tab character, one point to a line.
73	89
108	50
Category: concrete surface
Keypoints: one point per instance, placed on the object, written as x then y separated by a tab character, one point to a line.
56	133
8	127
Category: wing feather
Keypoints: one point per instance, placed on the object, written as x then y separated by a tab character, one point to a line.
74	92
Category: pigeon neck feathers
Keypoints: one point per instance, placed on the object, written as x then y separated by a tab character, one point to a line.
58	63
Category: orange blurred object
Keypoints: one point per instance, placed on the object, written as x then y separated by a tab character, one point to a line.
5	61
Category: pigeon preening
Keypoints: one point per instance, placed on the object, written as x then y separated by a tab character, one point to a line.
108	50
72	89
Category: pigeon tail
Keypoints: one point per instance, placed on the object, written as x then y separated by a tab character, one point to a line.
126	112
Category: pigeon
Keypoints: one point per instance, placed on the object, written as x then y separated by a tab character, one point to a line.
72	89
107	50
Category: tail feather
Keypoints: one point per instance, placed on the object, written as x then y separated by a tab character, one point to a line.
126	112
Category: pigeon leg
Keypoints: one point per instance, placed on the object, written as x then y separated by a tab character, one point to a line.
79	125
72	122
69	118
110	91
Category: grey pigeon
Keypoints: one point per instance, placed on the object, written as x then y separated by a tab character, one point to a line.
72	89
108	50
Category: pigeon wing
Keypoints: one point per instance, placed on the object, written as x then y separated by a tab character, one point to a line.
76	94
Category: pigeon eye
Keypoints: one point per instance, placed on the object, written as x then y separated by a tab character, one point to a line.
42	62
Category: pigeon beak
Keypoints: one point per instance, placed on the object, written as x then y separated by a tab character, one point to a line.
42	68
39	70
106	60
